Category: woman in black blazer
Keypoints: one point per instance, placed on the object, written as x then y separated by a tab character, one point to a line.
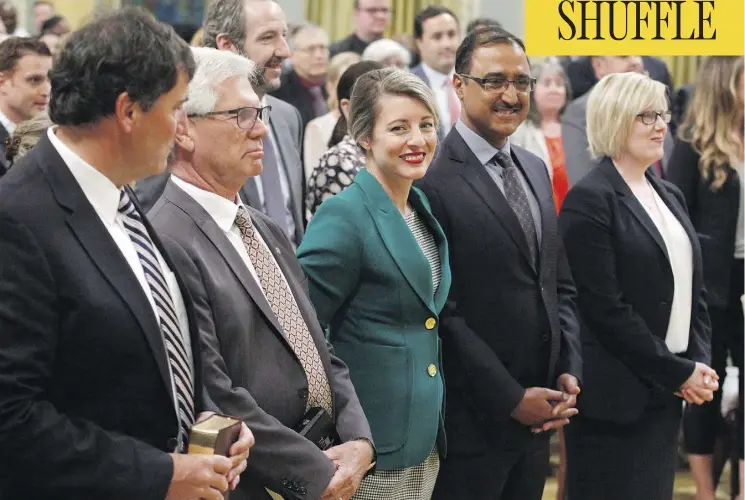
645	329
707	166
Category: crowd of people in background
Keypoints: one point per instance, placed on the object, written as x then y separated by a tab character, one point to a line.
446	249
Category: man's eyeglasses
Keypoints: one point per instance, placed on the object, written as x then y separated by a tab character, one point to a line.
245	117
650	117
498	84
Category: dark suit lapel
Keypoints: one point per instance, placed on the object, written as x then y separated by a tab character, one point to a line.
629	200
397	238
100	247
478	178
212	231
3	162
539	183
441	294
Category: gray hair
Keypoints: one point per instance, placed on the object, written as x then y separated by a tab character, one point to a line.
214	67
300	29
382	49
370	87
551	65
225	17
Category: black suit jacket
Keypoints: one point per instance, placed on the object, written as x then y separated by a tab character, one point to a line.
582	77
292	91
625	289
86	407
514	325
714	216
251	370
3	161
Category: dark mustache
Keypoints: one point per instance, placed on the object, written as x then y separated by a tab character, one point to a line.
260	79
508	107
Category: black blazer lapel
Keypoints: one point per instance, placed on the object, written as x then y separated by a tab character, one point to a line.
539	183
100	247
630	201
476	175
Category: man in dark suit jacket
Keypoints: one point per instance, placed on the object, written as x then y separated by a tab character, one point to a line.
99	382
252	368
24	85
512	334
582	73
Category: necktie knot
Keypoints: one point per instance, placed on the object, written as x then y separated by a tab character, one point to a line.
126	206
243	221
504	160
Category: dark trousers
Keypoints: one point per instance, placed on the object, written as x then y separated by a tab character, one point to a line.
495	475
610	461
701	424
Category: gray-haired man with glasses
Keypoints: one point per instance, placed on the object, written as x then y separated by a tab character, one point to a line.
265	355
511	349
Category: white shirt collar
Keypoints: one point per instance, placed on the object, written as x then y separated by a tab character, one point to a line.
437	79
222	210
7	124
100	191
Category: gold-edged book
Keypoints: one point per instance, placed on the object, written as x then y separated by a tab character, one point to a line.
214	436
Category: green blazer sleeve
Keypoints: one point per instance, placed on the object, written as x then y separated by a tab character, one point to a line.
330	255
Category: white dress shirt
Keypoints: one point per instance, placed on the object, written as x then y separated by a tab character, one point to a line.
103	195
223	212
7	124
437	83
680	252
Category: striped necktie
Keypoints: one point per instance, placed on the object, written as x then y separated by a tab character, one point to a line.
173	339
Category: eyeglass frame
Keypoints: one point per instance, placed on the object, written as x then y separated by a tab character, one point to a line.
481	82
260	112
667	116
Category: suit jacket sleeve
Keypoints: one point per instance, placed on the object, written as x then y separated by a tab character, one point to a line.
574	139
484	371
699	344
331	257
585	223
279	453
570	356
60	456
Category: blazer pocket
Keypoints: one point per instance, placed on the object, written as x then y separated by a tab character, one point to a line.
381	375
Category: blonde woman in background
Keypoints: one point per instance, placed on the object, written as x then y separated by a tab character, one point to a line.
707	166
318	131
25	136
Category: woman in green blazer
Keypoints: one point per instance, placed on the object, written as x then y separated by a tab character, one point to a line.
378	273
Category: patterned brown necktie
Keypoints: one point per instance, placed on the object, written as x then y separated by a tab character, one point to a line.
284	306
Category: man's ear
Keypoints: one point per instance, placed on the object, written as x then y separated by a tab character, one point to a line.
184	130
127	111
223	42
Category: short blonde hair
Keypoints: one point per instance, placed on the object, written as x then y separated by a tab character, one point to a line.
612	107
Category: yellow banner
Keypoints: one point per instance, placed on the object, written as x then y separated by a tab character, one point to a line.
634	27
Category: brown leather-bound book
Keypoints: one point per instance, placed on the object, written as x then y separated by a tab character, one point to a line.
214	436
